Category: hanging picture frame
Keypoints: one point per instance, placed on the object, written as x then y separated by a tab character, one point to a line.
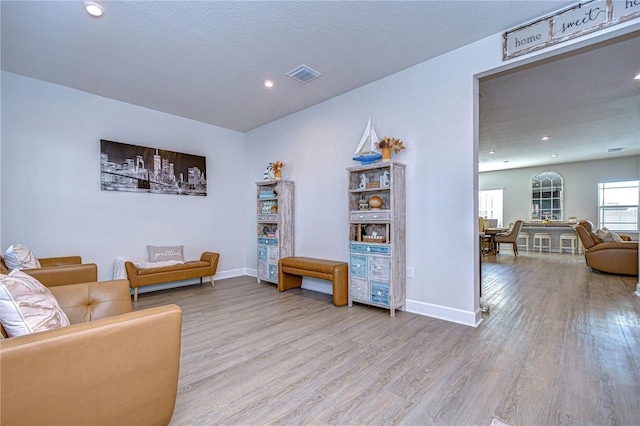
134	168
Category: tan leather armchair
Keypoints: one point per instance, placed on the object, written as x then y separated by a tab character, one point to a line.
60	271
509	237
111	366
612	257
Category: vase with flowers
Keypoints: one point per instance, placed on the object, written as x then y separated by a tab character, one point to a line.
276	168
387	144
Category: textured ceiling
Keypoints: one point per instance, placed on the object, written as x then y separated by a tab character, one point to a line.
207	60
587	102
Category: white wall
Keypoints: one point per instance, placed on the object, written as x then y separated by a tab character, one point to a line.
580	185
433	108
51	197
430	108
1	75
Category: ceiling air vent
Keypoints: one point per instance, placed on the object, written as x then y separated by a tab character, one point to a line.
614	149
303	74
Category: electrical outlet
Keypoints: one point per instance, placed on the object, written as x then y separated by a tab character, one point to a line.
409	271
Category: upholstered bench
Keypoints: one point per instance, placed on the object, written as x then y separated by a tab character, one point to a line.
292	269
205	267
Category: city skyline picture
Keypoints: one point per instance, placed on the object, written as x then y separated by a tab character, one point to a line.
134	168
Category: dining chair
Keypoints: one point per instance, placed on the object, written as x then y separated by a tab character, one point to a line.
509	237
485	246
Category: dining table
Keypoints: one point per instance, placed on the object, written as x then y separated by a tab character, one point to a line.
491	233
483	306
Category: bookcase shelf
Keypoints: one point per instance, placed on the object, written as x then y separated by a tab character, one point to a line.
377	266
274	226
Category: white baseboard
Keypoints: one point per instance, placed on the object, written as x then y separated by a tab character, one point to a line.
316	284
205	281
230	274
472	319
458	316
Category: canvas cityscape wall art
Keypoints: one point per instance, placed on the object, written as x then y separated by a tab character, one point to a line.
134	168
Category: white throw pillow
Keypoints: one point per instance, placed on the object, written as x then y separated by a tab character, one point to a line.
26	306
615	236
604	235
609	236
163	253
18	256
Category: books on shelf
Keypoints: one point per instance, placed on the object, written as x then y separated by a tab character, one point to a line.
269	207
267	194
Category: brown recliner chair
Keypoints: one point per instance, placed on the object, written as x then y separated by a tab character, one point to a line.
111	366
60	271
612	257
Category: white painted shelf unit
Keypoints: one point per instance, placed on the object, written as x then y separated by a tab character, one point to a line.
377	253
274	226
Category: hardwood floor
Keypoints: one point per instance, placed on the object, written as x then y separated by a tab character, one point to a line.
560	345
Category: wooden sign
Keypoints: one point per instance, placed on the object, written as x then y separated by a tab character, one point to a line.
566	24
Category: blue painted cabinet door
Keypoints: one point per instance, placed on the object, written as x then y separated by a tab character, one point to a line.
372	249
380	292
358	265
273	273
262	253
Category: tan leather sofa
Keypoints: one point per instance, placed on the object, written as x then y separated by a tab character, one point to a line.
205	267
612	257
111	366
60	271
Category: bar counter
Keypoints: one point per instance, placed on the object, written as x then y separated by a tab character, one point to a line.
553	228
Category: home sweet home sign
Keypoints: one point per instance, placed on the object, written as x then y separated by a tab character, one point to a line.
574	21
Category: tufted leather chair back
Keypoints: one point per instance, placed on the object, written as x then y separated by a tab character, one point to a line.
92	301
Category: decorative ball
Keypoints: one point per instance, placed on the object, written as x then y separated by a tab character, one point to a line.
375	202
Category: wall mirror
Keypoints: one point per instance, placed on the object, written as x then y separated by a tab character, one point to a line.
546	196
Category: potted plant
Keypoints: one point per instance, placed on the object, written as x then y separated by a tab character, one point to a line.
276	168
387	144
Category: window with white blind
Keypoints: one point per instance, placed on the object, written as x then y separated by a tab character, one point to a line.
618	205
490	203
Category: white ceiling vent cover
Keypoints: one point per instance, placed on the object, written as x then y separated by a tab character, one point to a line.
303	74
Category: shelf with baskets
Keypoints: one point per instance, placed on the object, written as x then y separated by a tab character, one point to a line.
274	229
377	267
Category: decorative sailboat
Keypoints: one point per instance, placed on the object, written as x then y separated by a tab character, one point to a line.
366	152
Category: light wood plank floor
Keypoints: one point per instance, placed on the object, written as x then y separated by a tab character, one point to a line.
560	345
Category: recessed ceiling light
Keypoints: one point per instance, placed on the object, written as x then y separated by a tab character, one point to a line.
545	138
554	155
637	77
492	152
94	9
268	83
